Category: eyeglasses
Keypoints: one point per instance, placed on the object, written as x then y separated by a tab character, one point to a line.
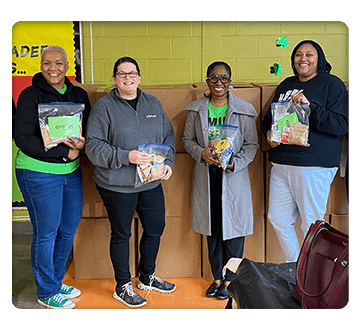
214	79
132	74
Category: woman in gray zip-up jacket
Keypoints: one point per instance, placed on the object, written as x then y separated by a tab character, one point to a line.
118	123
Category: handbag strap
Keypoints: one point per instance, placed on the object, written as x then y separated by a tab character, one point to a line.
304	251
312	233
302	263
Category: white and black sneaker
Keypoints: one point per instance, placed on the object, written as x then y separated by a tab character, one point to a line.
129	297
157	284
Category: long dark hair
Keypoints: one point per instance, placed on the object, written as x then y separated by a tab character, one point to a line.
322	66
125	59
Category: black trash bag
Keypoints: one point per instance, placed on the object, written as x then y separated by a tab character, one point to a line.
258	285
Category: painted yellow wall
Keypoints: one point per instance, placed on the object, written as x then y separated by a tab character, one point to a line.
179	52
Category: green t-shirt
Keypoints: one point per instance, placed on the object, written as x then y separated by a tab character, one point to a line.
62	90
217	115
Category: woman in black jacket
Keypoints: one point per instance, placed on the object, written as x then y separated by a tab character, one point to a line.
301	176
50	181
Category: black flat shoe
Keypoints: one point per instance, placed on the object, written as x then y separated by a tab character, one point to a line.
212	290
223	292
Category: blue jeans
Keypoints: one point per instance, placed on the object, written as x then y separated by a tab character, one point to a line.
54	204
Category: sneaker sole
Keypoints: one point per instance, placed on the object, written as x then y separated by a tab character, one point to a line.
127	304
70	306
142	286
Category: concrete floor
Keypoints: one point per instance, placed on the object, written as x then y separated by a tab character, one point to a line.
23	283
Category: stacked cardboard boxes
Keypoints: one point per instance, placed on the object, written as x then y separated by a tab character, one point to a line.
183	253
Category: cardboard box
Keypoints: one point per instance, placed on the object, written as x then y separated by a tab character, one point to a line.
340	222
274	252
93	206
180	249
267	95
173	101
338	197
256	174
91	249
254	248
95	92
177	190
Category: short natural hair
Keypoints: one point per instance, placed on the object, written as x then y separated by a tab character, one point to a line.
54	47
218	63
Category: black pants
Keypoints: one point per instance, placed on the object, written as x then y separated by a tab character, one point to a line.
120	207
220	251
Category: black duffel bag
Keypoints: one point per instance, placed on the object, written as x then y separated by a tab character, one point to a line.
258	285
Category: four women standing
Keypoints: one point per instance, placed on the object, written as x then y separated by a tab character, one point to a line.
221	198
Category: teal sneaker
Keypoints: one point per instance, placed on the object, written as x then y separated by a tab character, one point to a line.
69	291
57	302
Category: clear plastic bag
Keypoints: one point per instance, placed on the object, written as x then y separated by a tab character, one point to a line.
290	123
221	137
154	169
58	121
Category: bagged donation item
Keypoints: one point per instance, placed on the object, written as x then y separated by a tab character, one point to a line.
58	121
290	123
154	169
221	137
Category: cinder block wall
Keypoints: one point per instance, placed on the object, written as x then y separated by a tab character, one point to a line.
179	52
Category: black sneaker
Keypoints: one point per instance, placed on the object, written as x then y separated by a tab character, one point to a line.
157	284
128	296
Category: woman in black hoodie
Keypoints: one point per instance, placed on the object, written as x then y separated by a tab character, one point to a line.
301	176
50	181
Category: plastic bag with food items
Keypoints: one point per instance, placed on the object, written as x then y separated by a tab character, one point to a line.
154	169
221	137
290	123
58	121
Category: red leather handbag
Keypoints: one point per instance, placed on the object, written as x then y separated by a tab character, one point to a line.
322	269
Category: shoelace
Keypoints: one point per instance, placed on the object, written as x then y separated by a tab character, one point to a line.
129	290
152	278
66	287
59	298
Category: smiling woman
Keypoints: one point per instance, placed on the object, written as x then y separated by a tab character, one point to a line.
54	65
305	62
304	175
113	148
50	179
126	76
